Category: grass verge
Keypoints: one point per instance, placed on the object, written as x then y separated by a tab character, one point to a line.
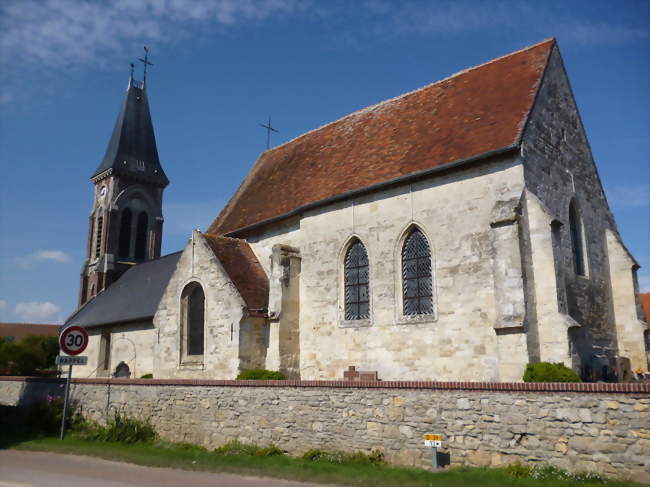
191	457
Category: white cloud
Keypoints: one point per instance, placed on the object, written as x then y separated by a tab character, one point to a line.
69	32
3	304
41	255
38	311
536	19
629	196
63	33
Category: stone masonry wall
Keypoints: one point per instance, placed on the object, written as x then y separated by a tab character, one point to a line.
598	427
458	341
559	168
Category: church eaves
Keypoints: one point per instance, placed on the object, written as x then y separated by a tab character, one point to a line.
468	116
132	150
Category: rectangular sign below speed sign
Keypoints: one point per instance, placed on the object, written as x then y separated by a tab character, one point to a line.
66	360
432	440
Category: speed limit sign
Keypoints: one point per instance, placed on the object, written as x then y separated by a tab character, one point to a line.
73	340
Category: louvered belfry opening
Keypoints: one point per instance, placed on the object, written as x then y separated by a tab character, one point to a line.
141	236
98	236
124	249
416	275
357	301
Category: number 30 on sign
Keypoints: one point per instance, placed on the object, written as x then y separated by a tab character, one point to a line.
73	340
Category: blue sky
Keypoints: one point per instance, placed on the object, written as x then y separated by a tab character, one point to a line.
222	66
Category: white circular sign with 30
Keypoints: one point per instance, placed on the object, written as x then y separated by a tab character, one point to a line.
73	340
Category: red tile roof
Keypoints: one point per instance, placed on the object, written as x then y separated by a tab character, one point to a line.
21	330
243	268
478	111
645	302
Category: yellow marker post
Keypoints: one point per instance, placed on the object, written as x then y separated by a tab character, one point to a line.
434	441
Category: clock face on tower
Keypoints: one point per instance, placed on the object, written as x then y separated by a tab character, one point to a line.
102	193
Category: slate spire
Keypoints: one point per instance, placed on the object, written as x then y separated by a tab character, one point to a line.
132	150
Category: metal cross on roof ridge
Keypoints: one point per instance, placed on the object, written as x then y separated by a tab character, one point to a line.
268	128
145	62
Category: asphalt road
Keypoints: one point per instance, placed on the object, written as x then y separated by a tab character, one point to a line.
43	469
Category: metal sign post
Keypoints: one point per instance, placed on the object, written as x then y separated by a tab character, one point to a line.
434	441
65	401
72	341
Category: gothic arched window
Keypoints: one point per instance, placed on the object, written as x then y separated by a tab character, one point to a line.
417	283
98	236
577	243
357	296
141	236
193	319
124	249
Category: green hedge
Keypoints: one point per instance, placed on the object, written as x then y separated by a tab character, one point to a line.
549	372
32	353
261	374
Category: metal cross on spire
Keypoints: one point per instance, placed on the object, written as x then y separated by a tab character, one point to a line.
268	128
146	63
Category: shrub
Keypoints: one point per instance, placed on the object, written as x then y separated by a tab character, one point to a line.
548	372
375	457
45	416
147	376
122	429
261	374
235	447
32	353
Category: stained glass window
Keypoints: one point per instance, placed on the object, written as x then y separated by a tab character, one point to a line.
357	300
417	285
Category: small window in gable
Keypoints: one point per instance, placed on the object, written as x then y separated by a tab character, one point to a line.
577	240
357	279
417	286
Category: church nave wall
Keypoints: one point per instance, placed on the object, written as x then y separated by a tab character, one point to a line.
458	342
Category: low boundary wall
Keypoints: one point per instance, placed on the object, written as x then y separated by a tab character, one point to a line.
599	427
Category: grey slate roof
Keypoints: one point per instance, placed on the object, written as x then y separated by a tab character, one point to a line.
134	296
133	140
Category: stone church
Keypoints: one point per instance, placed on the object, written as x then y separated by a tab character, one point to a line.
456	232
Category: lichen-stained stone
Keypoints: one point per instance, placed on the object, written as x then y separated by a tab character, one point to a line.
600	306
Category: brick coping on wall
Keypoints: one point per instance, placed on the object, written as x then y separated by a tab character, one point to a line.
624	388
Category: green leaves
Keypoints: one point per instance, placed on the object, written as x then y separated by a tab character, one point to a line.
261	374
549	372
32	353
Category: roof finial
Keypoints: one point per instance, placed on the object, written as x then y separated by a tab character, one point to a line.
132	72
146	63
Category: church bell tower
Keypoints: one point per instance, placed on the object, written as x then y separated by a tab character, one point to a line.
126	222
